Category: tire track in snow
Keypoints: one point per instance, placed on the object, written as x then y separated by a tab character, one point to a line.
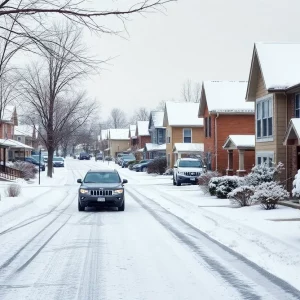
246	268
21	249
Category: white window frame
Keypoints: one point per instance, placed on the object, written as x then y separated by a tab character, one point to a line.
265	154
297	109
183	135
264	138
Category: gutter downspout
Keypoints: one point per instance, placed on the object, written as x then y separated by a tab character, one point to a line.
216	141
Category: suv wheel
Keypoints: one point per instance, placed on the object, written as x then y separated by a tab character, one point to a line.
80	207
122	208
178	183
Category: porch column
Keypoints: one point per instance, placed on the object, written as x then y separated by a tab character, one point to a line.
229	170
241	171
4	158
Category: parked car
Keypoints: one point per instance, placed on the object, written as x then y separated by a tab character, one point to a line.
36	163
187	170
120	156
101	188
142	165
84	156
126	159
58	161
108	158
99	156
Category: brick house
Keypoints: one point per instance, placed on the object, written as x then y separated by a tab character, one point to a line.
274	88
133	137
184	130
142	133
225	113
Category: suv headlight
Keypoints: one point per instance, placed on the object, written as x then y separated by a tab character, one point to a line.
116	192
83	191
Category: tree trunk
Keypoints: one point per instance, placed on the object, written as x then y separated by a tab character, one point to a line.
50	161
65	150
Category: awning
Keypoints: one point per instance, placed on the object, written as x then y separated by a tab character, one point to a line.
188	148
8	143
292	135
149	147
242	142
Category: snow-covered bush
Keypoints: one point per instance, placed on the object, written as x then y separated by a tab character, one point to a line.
212	185
158	166
227	184
296	185
169	172
242	195
29	170
13	190
205	178
263	173
268	194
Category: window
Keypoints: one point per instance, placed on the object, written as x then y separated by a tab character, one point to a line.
168	136
207	125
264	118
19	139
265	157
187	135
297	106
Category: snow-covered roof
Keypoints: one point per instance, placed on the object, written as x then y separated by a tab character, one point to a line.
227	97
143	128
188	147
293	131
183	114
104	134
132	130
154	147
280	63
26	130
13	144
118	134
240	142
8	113
157	118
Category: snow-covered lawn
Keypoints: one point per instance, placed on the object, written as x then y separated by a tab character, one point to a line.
30	190
270	238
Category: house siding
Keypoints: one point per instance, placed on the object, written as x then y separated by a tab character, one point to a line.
169	146
221	127
118	146
261	90
176	134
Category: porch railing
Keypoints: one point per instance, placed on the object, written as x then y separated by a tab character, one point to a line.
10	173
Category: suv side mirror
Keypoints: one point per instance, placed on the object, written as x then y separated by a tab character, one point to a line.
125	181
79	181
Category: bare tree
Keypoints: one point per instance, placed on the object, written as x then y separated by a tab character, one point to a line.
190	92
50	90
118	118
31	15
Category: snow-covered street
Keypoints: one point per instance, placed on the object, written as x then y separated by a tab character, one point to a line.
167	244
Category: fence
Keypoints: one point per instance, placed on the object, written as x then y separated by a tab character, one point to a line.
10	173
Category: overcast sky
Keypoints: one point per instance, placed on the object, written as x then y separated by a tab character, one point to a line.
196	39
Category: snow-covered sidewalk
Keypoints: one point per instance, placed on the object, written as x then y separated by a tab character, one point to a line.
268	238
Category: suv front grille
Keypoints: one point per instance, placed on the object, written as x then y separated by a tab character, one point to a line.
100	193
192	173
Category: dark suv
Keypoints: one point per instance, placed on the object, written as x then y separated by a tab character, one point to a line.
101	188
36	162
84	155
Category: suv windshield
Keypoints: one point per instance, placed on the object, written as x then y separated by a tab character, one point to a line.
58	159
190	164
128	157
102	177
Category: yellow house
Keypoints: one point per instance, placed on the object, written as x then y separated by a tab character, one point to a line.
184	131
118	141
